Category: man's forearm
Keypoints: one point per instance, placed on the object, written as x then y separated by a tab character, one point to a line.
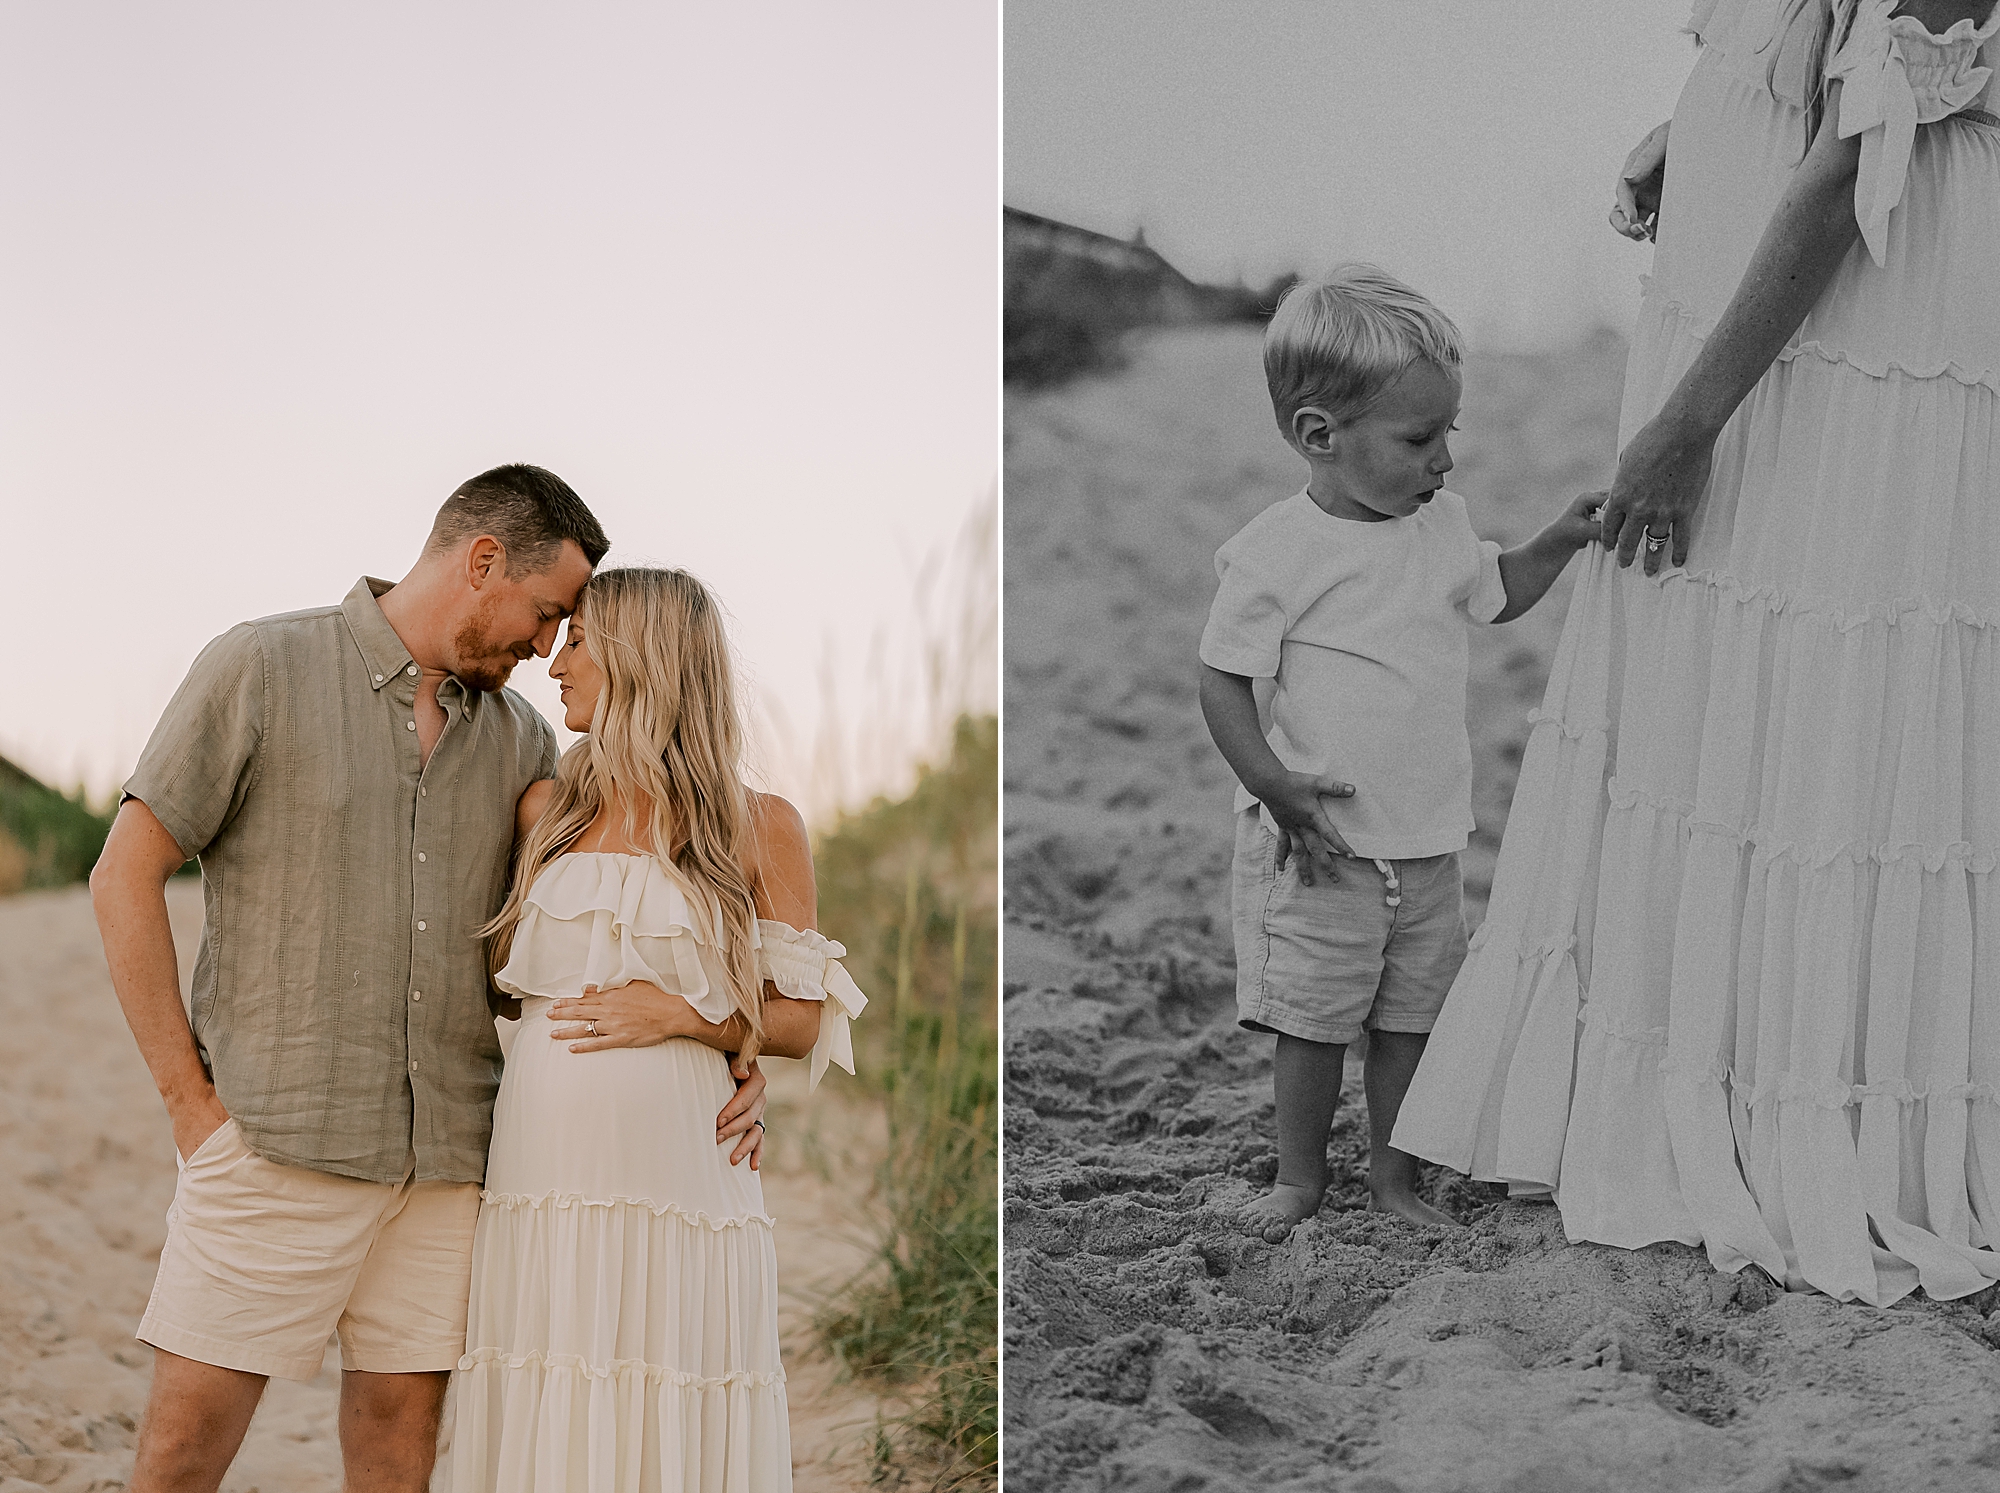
139	948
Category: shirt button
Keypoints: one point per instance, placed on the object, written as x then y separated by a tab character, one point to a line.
421	927
423	793
413	1065
420	855
409	725
378	678
411	671
416	995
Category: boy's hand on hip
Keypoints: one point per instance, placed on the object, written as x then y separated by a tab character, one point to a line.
1305	829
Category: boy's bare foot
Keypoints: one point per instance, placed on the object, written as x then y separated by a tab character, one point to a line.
1410	1208
1279	1211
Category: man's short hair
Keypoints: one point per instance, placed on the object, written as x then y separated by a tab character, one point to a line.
1336	343
529	510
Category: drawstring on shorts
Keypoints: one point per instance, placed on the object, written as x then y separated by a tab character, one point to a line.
1388	870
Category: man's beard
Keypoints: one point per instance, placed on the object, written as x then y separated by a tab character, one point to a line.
479	666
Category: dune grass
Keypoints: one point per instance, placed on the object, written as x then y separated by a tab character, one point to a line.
46	839
911	886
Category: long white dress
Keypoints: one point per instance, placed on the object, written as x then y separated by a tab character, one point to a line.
1739	984
623	1332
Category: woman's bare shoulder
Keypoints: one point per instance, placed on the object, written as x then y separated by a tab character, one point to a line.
781	869
777	828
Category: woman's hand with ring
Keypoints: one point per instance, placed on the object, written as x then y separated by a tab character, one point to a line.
640	1014
1661	478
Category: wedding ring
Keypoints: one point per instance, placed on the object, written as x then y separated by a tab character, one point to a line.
761	1125
593	1027
1657	542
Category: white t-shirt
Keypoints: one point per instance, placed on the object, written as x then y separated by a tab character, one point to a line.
1362	627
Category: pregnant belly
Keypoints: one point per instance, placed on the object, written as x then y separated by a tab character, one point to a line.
627	1123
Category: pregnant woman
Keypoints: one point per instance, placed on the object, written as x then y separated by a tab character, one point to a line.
623	1330
1739	984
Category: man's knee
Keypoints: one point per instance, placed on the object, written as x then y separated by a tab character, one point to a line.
195	1419
392	1399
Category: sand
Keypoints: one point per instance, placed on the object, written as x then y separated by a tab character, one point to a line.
1149	1344
87	1171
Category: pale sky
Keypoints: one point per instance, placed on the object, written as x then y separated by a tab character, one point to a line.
1469	146
275	279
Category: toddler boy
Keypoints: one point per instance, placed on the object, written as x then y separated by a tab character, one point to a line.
1333	680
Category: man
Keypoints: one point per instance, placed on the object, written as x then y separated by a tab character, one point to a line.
348	777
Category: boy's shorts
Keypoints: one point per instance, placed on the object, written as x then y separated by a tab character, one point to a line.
1328	961
264	1261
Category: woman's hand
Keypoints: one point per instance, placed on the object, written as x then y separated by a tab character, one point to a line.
640	1014
1661	477
1635	212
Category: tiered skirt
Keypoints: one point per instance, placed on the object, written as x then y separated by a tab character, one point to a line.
623	1325
1739	983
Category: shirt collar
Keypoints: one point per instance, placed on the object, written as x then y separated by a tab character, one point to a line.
382	652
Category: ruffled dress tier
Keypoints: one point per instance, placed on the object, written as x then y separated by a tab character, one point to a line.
623	1332
1739	983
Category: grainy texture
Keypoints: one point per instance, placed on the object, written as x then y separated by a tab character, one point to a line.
1149	1344
87	1171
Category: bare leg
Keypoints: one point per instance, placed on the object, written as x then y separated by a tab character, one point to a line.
389	1430
1392	1174
1306	1078
195	1420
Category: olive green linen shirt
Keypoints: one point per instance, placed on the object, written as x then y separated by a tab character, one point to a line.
339	997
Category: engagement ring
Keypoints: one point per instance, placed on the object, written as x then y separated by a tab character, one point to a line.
1657	542
593	1027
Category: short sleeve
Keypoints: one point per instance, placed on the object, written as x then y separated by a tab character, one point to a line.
805	966
202	757
1894	76
1247	622
1488	597
551	754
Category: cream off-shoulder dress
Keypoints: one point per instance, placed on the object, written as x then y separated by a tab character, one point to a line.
623	1332
1739	984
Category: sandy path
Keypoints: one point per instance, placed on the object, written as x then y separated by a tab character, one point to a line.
87	1171
1149	1345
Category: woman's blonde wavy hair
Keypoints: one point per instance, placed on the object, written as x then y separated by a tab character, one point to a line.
666	733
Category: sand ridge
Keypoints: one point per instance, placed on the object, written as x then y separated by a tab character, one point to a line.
87	1172
1150	1344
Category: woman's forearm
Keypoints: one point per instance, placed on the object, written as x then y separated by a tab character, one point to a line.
790	1028
1803	245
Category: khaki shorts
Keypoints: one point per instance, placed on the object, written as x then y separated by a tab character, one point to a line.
1328	961
264	1262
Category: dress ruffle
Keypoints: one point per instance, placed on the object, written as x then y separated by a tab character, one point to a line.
628	920
607	919
1895	75
1739	983
805	966
633	1350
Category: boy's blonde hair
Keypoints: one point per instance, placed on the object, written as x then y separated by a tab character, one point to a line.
1336	343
